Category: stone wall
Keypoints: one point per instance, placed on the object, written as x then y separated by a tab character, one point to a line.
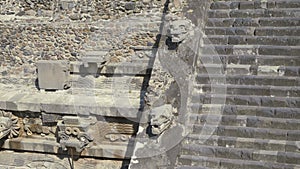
73	10
32	30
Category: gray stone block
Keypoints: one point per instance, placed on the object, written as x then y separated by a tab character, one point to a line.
220	22
288	4
53	75
280	22
277	31
220	5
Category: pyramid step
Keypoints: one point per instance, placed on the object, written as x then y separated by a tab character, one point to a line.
233	4
251	60
258	111
252	40
253	22
253	13
243	69
230	69
247	143
247	80
246	132
191	167
245	121
288	31
250	50
241	154
230	30
266	101
225	163
249	90
253	31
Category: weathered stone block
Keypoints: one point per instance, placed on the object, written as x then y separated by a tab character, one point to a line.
247	5
53	75
220	22
245	22
279	22
220	5
265	155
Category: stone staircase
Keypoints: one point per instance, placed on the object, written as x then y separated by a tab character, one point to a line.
253	77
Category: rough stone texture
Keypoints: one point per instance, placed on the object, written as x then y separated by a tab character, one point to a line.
247	117
240	111
33	160
31	31
66	30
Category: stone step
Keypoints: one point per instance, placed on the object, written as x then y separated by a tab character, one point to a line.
253	22
284	31
245	121
253	31
253	13
230	69
241	154
243	69
229	4
247	80
250	50
265	101
247	143
258	111
245	132
190	167
272	91
225	163
252	40
251	60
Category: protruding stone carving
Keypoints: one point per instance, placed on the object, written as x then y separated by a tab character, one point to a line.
178	30
34	125
117	137
119	132
94	57
74	132
161	119
9	125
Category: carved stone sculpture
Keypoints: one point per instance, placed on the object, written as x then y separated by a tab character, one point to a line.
9	125
178	30
74	132
161	119
34	125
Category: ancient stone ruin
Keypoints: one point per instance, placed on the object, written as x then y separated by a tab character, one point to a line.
165	84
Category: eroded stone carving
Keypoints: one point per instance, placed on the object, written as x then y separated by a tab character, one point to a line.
178	30
74	132
9	125
161	118
94	57
34	125
117	137
119	132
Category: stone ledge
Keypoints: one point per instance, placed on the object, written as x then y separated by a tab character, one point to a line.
52	147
